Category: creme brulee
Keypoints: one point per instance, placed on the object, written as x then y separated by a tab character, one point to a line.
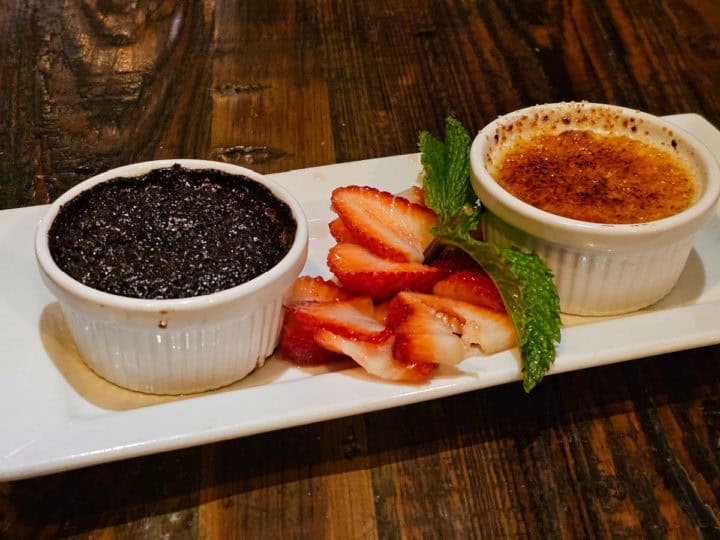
589	176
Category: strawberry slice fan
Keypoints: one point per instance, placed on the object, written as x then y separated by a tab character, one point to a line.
392	314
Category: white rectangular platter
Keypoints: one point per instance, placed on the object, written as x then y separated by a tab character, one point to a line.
55	414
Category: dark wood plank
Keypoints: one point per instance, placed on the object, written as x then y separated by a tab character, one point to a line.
308	482
89	91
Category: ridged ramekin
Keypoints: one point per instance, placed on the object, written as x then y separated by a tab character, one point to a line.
175	346
600	269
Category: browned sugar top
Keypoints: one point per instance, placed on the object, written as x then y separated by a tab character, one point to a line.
588	176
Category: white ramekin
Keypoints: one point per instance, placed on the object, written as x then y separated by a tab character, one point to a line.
175	346
600	269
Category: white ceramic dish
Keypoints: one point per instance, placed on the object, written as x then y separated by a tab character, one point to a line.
600	269
57	415
182	345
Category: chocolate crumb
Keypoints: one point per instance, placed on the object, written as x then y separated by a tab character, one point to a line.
172	233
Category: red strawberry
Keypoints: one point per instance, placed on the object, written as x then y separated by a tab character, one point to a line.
454	259
315	289
414	194
438	348
340	232
473	286
297	344
376	358
343	318
364	273
365	305
491	330
389	226
380	312
422	336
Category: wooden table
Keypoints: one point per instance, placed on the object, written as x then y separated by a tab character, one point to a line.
628	450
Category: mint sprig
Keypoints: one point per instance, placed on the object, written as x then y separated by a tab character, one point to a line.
523	280
447	170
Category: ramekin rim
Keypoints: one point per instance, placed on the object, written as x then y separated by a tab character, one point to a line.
700	207
78	289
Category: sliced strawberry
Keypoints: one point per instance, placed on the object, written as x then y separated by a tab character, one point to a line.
297	345
376	358
340	232
414	194
306	311
438	348
343	318
491	330
380	312
365	305
454	259
473	286
315	289
421	335
389	226
407	313
364	273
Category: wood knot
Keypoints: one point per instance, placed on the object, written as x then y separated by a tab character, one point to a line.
238	89
249	154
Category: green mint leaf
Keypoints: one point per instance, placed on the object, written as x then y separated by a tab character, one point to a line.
457	141
530	297
434	161
447	170
524	282
535	312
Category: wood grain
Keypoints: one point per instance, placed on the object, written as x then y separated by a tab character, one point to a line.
624	451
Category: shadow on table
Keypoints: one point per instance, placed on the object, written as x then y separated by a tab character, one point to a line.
90	387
